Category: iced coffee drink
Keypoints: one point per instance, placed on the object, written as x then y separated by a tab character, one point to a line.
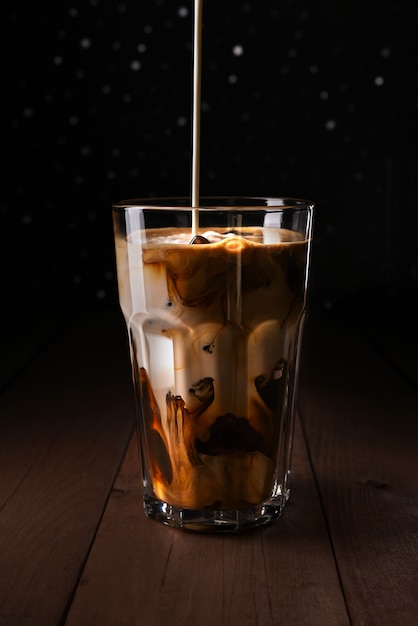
214	324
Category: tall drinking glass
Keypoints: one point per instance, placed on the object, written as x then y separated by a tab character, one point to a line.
214	320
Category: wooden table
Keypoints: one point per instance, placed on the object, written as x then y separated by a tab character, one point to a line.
76	549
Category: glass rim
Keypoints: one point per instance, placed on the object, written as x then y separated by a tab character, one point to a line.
216	203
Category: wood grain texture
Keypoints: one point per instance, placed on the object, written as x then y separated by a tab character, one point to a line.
152	575
361	422
64	426
76	548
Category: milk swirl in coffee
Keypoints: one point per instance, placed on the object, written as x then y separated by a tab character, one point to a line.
214	317
214	331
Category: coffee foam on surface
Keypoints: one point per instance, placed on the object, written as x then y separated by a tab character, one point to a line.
165	236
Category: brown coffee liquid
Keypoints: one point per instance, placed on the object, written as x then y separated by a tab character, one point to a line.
214	354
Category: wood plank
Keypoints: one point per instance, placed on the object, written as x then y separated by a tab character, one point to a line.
65	423
142	573
361	422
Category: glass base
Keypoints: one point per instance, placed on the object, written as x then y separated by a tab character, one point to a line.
213	521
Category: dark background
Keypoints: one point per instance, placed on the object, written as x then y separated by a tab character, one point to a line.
305	99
